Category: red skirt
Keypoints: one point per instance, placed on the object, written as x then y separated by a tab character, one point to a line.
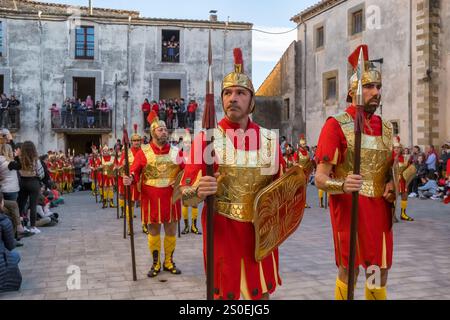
107	181
375	238
157	207
234	253
135	194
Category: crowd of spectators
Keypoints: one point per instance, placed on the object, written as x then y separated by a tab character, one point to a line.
175	112
75	113
28	197
9	109
171	50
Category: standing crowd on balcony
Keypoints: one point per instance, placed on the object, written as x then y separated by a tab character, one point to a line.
174	112
77	113
9	111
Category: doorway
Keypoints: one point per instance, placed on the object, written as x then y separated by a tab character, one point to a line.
82	143
169	89
2	83
83	87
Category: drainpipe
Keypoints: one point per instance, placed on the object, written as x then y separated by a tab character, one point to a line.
410	116
127	111
41	87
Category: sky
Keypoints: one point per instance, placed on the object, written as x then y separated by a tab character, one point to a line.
267	15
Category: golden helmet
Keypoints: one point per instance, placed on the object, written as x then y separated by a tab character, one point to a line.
302	140
105	149
397	143
154	122
238	78
369	75
135	135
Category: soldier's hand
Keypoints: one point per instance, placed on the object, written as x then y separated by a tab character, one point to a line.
127	181
353	183
389	192
207	186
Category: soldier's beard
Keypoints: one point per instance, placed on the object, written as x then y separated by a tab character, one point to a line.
161	140
370	106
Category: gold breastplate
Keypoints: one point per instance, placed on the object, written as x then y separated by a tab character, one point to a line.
108	167
376	156
130	161
161	170
243	174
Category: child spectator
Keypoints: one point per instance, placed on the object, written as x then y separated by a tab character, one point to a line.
430	187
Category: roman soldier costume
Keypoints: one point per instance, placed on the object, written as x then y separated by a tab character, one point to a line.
108	177
336	147
187	141
154	170
135	194
245	168
404	172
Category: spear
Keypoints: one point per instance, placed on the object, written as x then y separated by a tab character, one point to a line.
209	123
95	175
126	141
359	118
116	160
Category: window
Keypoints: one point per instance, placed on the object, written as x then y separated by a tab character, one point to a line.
395	128
1	39
84	43
331	89
320	36
170	46
357	22
286	110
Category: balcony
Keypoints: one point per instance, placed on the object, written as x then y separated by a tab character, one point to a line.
10	118
97	122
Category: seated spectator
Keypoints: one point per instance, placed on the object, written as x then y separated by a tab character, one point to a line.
430	187
57	198
421	172
10	276
43	211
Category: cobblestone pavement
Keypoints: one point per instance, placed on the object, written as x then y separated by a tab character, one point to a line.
92	239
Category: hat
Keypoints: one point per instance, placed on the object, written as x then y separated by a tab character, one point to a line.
154	122
397	143
302	140
369	75
135	135
238	78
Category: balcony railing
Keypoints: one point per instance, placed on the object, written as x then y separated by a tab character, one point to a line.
10	118
76	121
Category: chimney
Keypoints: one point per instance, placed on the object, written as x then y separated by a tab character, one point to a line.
213	16
90	7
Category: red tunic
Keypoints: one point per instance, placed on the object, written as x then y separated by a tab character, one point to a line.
156	203
401	182
234	241
135	195
375	239
107	180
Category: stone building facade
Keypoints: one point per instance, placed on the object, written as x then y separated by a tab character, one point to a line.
409	40
43	62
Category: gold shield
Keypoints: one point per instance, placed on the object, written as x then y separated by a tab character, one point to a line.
409	174
278	211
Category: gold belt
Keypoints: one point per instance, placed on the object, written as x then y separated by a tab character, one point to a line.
159	183
372	189
241	212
